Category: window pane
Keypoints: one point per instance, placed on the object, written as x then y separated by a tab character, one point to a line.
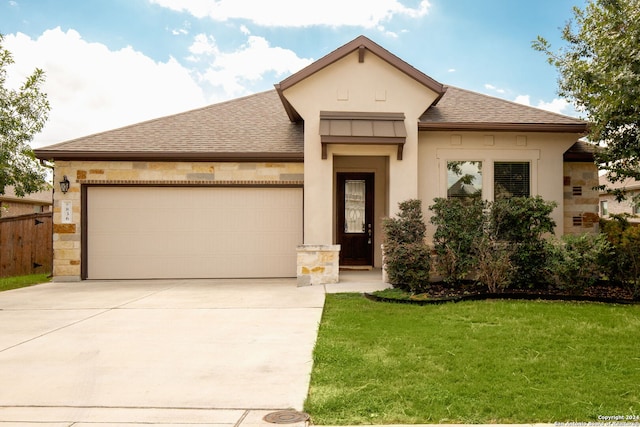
464	179
511	179
354	204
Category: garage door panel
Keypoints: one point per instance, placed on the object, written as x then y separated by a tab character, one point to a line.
192	232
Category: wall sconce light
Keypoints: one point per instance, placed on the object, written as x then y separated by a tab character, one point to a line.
64	184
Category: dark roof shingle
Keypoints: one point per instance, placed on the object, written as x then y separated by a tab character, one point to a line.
257	127
252	126
460	109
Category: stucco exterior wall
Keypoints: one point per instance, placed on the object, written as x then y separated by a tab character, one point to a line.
349	85
542	150
580	197
67	234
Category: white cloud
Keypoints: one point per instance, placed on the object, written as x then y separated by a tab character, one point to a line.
203	45
91	88
494	89
291	13
234	71
451	70
181	31
558	105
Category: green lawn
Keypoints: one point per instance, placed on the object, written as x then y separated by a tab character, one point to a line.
474	362
7	283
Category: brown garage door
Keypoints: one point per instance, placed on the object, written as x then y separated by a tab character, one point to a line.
192	232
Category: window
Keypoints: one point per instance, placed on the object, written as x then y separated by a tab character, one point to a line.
511	179
604	208
464	179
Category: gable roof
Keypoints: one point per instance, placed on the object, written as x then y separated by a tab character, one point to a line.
258	128
461	109
361	44
252	128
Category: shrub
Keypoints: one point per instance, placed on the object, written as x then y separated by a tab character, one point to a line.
630	249
523	222
577	262
494	268
407	256
459	224
623	266
408	266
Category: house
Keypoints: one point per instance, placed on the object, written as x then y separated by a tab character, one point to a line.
610	206
295	181
12	205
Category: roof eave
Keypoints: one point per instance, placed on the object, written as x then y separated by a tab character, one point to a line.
580	128
294	116
168	156
578	157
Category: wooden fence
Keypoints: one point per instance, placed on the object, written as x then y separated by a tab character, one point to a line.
26	244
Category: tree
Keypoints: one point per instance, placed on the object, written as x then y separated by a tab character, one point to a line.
600	72
23	113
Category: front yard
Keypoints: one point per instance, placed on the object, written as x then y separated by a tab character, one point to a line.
490	361
8	283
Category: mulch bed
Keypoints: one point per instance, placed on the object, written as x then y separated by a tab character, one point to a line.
440	293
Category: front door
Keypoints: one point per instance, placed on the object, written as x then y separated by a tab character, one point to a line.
355	218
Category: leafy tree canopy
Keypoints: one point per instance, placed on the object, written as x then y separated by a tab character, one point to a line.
600	72
23	113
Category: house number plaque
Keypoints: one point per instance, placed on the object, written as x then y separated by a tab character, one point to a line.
67	211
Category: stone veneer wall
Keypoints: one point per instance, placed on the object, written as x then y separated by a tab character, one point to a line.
67	236
580	198
318	264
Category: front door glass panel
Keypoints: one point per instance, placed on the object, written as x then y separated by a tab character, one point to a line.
354	205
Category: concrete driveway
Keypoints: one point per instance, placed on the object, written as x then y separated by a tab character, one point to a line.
172	352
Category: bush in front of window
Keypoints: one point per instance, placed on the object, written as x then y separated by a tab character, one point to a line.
523	223
494	268
407	257
460	223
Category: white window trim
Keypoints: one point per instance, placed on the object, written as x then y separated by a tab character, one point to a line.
487	157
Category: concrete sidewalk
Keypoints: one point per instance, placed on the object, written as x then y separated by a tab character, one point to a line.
166	352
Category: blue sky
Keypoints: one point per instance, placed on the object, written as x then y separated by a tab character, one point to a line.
110	63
